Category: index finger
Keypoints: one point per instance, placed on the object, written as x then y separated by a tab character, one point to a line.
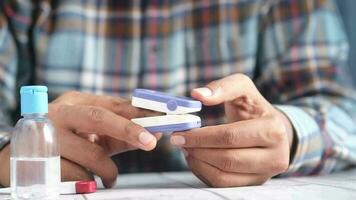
116	105
242	134
90	119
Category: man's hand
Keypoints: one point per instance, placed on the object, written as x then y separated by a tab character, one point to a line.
91	128
250	149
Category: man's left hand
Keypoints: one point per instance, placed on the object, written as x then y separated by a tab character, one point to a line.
251	148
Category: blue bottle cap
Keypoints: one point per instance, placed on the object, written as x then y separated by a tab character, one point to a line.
34	99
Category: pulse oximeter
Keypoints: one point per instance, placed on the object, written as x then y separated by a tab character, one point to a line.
175	108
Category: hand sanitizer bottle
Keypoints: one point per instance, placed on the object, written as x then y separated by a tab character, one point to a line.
35	158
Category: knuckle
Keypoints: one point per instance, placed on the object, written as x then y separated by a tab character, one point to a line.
277	137
229	137
277	124
281	137
115	102
198	140
132	128
277	133
244	78
230	161
228	164
96	114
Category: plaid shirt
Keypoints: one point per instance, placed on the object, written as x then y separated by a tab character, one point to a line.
294	51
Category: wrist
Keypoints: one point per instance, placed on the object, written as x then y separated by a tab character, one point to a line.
290	131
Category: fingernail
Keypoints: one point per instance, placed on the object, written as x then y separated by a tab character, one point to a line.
204	91
146	138
178	140
185	152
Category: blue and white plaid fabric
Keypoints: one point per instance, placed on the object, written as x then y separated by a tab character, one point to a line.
294	51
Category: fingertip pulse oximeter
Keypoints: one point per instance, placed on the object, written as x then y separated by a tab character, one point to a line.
176	109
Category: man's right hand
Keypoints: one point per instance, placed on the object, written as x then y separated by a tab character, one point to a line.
91	128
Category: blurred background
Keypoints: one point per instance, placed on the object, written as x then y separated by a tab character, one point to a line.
348	12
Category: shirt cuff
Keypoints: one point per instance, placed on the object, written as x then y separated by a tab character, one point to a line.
309	141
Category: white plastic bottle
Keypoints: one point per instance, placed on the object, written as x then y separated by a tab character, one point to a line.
35	158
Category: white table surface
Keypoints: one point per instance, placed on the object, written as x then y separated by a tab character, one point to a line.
184	185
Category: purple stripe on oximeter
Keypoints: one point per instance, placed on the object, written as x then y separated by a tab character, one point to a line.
171	101
173	127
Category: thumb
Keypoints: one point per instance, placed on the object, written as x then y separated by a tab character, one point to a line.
226	89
